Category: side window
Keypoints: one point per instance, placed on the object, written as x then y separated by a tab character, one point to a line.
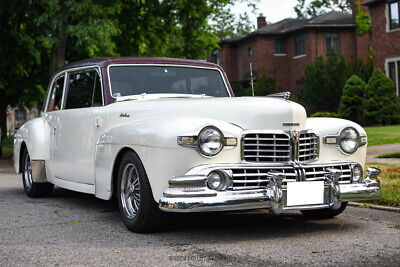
56	94
83	89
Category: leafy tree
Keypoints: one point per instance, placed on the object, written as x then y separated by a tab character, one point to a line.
315	8
87	24
226	24
323	83
363	20
351	103
21	52
263	86
381	105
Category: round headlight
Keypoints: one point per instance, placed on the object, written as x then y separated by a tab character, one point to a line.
349	140
210	141
216	181
357	173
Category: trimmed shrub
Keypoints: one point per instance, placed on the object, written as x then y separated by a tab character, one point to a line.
325	114
263	86
381	105
351	103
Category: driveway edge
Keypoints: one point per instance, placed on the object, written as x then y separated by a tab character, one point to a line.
373	206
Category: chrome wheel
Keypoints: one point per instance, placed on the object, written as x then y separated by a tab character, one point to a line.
28	172
130	190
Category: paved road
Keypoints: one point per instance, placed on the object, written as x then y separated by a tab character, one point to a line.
78	229
373	151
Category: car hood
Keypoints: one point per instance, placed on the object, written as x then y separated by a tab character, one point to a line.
246	112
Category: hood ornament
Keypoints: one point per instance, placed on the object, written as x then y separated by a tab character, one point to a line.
284	95
295	136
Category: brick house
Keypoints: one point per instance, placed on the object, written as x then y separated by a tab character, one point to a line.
385	37
283	49
16	116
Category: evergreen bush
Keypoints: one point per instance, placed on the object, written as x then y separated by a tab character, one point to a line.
381	103
351	103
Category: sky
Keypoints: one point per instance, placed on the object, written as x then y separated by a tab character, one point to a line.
273	10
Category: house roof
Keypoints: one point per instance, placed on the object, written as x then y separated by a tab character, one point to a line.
372	2
331	19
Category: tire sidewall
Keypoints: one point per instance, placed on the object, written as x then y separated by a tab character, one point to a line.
131	158
28	191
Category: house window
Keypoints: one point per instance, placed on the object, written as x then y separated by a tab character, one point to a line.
215	56
393	71
394	13
279	46
20	115
299	45
332	42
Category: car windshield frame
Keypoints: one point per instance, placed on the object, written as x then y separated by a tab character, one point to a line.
229	94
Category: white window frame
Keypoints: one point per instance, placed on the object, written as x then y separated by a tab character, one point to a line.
387	15
395	60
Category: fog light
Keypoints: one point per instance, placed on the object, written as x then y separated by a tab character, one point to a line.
357	173
216	181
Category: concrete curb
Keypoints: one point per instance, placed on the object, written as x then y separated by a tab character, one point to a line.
372	206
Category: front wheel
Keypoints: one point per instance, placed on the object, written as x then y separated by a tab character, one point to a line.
31	188
137	207
324	213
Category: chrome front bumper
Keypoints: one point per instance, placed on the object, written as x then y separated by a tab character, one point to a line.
190	194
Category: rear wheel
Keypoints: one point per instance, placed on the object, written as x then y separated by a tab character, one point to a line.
137	207
31	188
324	213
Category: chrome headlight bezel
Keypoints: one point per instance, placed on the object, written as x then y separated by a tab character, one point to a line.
337	140
193	141
343	137
200	145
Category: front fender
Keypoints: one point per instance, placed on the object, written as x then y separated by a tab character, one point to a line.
36	135
331	126
155	142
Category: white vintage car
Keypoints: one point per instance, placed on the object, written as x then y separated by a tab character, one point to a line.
167	135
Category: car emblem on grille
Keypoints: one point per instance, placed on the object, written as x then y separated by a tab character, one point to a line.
295	136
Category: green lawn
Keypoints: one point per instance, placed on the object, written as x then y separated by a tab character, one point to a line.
390	184
383	135
390	155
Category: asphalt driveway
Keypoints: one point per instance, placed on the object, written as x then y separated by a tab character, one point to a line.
77	229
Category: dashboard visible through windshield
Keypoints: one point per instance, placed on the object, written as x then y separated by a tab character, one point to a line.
136	80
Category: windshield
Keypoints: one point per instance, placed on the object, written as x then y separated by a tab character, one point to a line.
136	80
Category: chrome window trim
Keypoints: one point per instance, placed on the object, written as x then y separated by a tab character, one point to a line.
66	72
163	65
294	146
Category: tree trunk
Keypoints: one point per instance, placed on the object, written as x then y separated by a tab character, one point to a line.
58	54
3	118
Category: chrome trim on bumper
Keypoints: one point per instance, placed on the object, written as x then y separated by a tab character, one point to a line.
189	194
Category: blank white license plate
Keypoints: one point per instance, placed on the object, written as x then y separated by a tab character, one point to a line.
305	193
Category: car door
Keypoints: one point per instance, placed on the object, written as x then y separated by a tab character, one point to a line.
78	127
51	116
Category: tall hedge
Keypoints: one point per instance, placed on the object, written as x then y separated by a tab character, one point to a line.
351	103
381	104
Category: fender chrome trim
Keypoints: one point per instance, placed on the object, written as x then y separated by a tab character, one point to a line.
39	171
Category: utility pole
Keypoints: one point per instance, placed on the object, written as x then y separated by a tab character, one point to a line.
251	79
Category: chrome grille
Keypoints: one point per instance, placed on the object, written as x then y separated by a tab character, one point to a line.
255	178
308	147
266	147
318	172
246	178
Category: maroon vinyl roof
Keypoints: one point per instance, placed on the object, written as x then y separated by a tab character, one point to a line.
104	62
